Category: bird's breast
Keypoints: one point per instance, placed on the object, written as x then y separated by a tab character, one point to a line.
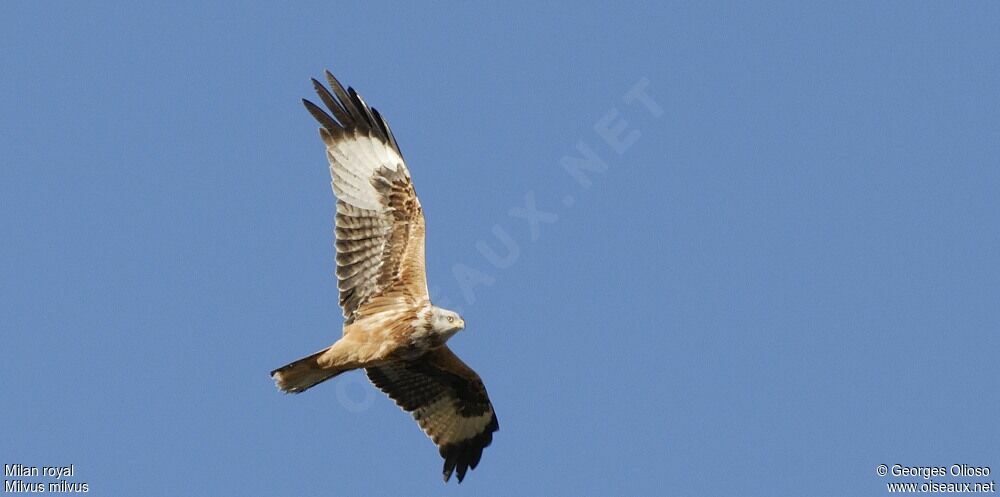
419	342
398	335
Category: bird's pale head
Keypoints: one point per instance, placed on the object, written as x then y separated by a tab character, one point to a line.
445	321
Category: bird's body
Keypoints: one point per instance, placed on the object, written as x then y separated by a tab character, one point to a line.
391	328
401	333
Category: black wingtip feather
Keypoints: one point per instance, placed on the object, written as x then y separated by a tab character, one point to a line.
385	129
345	100
360	103
463	456
349	112
331	103
320	115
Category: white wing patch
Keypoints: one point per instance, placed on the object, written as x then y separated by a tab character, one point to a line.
439	422
353	163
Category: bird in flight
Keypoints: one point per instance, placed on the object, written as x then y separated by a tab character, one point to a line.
391	329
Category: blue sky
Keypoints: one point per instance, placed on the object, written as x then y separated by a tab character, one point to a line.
784	273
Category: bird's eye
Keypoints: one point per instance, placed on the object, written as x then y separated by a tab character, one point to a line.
451	319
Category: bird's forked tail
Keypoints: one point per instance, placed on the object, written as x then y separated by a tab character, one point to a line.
303	374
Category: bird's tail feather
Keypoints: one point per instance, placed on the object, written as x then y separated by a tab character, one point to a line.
305	373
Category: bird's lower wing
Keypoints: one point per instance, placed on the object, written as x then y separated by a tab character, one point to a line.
448	401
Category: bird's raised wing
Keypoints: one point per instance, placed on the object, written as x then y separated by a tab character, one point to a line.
380	225
449	402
